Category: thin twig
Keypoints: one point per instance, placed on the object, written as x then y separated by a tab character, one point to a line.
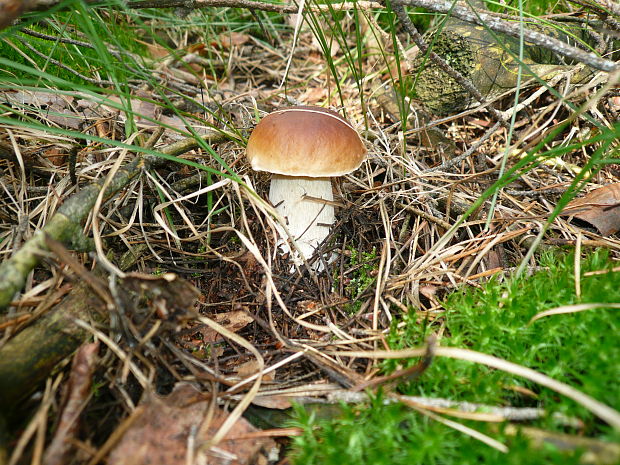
464	156
64	40
99	82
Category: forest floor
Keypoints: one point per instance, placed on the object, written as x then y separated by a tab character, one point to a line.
423	339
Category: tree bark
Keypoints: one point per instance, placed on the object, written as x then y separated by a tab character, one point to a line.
513	29
29	357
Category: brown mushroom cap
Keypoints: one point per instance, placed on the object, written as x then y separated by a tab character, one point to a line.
305	141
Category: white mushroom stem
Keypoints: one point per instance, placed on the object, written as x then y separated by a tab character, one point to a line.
308	219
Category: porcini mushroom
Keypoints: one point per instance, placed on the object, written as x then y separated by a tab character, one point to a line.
304	147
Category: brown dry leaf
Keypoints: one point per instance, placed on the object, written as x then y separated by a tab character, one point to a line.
55	155
145	109
250	368
79	389
58	108
247	368
493	260
233	321
156	51
159	436
599	208
64	110
313	95
233	39
429	291
272	402
195	67
199	48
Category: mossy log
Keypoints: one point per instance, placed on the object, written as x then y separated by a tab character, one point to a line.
486	59
29	357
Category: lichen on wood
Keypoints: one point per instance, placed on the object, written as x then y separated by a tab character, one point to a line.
29	357
479	56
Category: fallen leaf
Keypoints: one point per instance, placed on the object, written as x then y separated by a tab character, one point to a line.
64	110
160	435
494	259
146	110
156	51
199	48
79	389
233	39
55	107
250	368
9	11
195	67
55	155
313	95
232	321
598	208
272	402
429	291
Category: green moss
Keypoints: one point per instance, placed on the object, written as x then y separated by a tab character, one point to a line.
381	434
83	60
362	264
580	349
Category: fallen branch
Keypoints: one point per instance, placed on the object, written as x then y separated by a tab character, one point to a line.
33	353
513	29
494	413
29	357
66	224
250	5
10	10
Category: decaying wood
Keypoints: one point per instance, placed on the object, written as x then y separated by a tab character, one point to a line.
28	358
513	29
486	65
448	69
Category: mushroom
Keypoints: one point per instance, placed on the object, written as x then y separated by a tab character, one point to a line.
304	147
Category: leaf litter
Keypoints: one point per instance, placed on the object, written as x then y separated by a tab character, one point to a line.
398	204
